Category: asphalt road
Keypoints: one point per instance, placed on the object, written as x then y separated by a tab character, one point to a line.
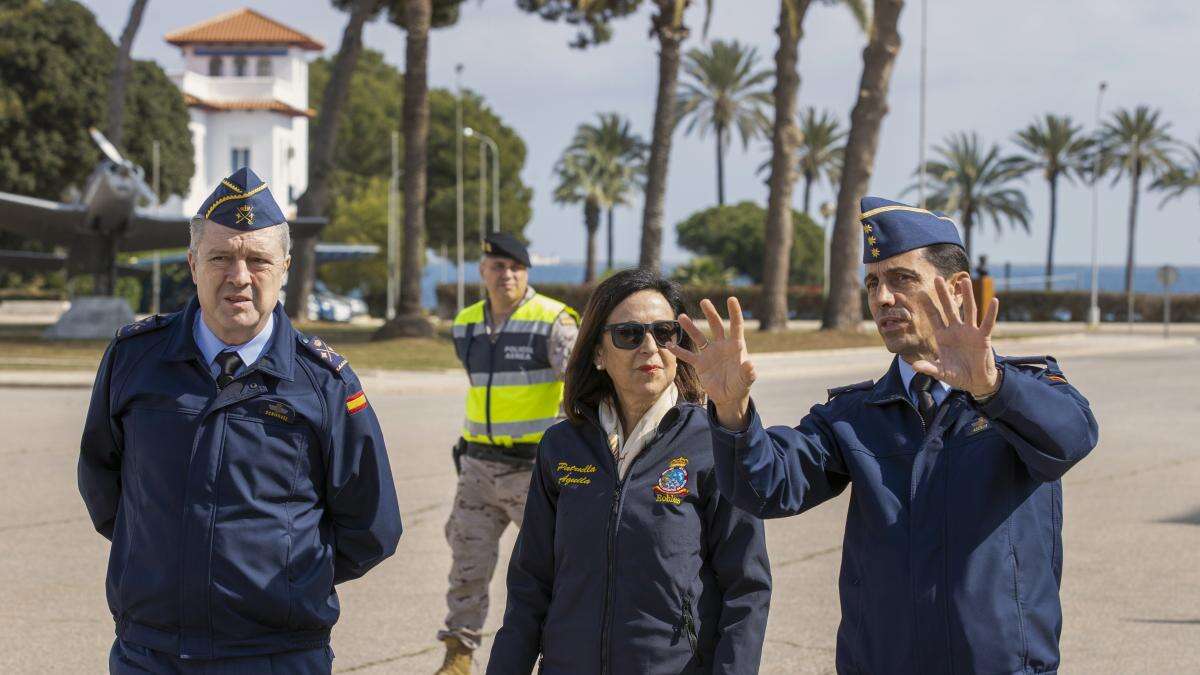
1131	590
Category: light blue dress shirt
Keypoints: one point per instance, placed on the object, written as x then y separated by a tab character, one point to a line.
939	391
210	345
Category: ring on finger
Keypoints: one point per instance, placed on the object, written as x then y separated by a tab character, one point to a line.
703	346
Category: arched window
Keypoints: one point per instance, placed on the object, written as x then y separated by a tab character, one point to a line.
264	66
239	66
216	66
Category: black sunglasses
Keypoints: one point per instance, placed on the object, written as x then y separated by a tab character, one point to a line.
629	335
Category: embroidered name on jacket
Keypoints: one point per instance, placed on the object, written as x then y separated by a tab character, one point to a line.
672	483
280	411
567	474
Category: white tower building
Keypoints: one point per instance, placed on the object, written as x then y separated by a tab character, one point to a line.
245	81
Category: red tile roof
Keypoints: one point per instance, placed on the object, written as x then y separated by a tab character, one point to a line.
242	26
273	106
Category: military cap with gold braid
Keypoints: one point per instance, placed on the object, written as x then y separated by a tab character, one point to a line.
243	202
891	228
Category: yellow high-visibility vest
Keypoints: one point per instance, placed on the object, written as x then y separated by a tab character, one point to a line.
515	393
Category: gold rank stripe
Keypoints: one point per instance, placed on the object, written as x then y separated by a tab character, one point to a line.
885	209
231	186
226	198
356	402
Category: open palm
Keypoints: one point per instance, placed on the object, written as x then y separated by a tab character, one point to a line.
722	361
964	351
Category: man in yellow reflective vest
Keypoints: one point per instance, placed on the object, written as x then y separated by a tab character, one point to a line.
514	346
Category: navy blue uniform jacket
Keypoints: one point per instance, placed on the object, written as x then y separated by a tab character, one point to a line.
952	556
232	513
656	574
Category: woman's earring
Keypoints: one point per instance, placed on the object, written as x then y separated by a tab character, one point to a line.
599	366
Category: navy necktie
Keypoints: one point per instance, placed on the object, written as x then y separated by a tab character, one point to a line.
922	385
228	362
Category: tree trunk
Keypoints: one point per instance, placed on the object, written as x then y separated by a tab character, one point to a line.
785	137
610	238
591	220
315	200
720	165
1134	181
670	37
808	181
121	70
410	320
843	307
968	233
1053	228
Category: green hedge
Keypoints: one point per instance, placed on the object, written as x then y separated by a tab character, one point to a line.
806	302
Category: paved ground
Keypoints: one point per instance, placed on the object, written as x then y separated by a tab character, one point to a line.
1132	576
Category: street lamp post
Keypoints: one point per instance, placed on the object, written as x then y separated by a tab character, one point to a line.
827	211
491	144
921	132
458	178
1094	307
393	223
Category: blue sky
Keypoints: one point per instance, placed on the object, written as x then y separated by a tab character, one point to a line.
993	67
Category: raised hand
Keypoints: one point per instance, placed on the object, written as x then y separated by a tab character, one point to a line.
964	351
721	362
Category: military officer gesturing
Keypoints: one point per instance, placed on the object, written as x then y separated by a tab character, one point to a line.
235	464
952	555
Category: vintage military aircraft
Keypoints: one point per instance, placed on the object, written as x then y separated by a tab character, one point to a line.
112	215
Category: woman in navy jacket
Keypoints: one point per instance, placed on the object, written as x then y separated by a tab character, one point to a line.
629	560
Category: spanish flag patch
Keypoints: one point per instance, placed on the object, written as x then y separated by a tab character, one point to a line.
356	402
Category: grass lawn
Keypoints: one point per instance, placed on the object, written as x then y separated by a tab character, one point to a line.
25	349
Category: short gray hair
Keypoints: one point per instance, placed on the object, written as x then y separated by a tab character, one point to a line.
196	233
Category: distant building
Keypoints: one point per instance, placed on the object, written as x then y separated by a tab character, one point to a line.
245	81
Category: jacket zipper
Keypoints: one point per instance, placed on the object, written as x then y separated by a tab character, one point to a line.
613	519
689	627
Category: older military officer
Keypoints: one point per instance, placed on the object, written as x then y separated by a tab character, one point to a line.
953	546
235	464
514	345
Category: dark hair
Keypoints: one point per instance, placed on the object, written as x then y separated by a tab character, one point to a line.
948	259
586	387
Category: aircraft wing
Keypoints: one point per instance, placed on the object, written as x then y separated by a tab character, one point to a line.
50	222
148	231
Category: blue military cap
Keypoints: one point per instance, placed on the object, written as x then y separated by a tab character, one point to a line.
891	228
243	202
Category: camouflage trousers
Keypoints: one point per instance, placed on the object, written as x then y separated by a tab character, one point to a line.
490	495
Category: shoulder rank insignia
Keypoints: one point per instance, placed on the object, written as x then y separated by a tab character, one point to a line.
672	483
1046	364
137	327
865	384
324	353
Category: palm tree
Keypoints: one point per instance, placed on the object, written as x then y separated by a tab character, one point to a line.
843	305
724	92
416	18
668	27
120	75
820	152
1058	147
976	184
581	180
1184	178
315	200
1133	143
784	141
623	156
601	167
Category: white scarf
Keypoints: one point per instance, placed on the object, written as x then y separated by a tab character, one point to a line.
626	449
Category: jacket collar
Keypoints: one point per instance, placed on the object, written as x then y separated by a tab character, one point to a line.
277	359
890	387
